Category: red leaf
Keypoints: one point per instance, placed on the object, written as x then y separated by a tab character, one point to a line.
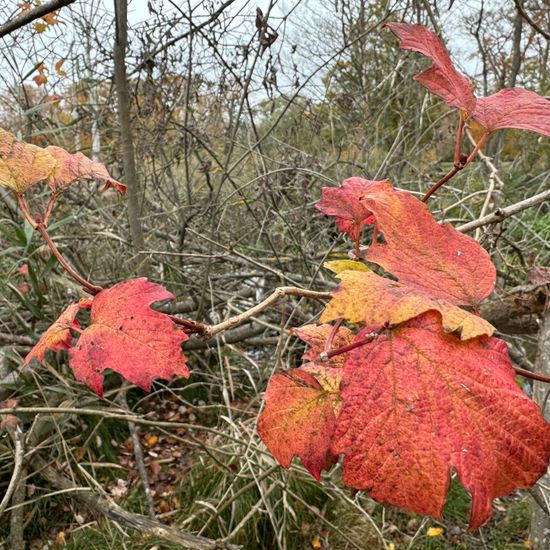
514	108
298	420
508	108
418	402
441	78
127	336
345	204
434	258
58	336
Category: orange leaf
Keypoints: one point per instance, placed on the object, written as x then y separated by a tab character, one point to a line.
70	167
421	253
40	79
299	420
418	402
127	336
58	336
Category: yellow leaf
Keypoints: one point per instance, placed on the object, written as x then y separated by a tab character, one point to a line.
434	531
337	266
40	27
58	68
316	543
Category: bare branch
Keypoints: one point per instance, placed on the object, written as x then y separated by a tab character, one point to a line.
31	15
503	213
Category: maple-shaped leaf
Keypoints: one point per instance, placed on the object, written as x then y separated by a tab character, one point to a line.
368	299
345	204
508	108
441	78
436	259
514	108
127	336
22	165
299	420
417	402
58	336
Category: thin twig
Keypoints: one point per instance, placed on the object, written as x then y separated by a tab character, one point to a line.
503	213
18	438
138	455
211	330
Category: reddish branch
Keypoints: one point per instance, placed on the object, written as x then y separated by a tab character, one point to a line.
38	225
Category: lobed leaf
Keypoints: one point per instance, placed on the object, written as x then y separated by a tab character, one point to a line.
508	108
442	79
432	258
127	336
417	402
23	165
368	299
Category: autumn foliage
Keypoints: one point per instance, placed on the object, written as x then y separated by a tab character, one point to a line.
402	379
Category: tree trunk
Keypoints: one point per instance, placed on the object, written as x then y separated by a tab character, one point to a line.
540	521
126	135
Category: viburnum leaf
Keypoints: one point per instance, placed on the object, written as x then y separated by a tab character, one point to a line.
127	336
58	336
508	108
368	299
417	402
514	108
434	258
345	204
299	419
441	78
22	165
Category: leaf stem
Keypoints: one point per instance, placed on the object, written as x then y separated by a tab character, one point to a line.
326	355
88	287
459	139
458	166
532	375
51	202
333	332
